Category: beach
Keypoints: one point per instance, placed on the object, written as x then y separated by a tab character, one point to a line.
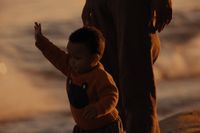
33	97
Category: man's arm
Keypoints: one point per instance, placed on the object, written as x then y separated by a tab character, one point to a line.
55	55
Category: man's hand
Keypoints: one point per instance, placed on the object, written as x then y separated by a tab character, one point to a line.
90	112
161	14
38	30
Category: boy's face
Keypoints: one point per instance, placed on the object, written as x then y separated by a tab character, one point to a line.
81	60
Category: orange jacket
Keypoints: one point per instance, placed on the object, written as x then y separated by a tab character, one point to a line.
96	87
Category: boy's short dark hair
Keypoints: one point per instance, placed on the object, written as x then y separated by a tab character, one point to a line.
91	37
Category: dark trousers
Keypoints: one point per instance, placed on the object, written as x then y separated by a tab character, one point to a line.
115	127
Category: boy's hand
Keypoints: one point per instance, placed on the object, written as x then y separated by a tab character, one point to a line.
38	30
90	112
161	13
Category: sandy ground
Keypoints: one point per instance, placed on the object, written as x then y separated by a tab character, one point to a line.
32	92
187	122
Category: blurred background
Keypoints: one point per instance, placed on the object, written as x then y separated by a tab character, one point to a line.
32	92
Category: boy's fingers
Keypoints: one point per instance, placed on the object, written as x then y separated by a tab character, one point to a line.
40	27
37	27
36	23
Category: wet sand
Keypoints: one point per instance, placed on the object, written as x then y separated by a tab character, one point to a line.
187	122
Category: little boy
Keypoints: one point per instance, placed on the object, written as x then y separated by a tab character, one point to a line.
92	93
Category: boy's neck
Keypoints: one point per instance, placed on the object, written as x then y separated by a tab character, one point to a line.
89	69
92	67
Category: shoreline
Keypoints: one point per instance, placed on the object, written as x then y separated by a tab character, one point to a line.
181	122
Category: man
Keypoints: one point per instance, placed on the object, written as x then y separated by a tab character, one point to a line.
132	46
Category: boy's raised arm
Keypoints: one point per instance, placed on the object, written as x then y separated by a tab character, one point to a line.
55	55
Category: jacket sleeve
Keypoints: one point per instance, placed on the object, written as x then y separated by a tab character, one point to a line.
108	98
56	56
